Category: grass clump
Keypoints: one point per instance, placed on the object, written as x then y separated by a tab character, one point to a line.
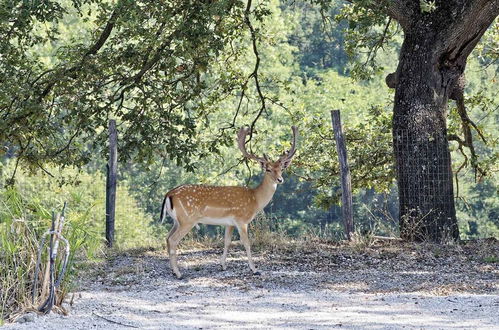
25	214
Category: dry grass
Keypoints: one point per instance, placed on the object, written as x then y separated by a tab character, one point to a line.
17	263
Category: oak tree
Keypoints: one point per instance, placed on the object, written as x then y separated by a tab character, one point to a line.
438	37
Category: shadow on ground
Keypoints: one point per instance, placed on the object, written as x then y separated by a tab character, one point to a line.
385	267
302	286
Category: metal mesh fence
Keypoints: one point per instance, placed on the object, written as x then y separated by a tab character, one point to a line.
425	185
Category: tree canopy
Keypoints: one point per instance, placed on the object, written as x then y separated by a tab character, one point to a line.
181	76
69	66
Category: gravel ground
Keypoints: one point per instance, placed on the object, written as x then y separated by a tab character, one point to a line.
318	286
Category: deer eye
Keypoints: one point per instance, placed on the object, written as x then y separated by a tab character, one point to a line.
268	170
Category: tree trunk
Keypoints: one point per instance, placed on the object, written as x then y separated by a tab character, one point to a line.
437	43
425	180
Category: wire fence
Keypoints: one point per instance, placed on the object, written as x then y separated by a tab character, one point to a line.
425	192
425	184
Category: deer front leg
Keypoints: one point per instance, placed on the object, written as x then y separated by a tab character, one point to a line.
173	239
243	233
227	240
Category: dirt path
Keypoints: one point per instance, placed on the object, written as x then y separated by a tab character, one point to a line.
322	288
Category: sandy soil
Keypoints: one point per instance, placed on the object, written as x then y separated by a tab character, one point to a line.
319	286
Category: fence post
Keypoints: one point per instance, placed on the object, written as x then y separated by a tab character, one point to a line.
112	169
346	184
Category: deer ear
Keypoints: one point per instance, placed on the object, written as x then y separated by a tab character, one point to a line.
263	164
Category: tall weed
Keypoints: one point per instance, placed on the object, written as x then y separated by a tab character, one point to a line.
25	214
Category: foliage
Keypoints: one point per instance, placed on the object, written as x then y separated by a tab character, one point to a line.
143	63
478	209
487	50
306	101
368	32
319	40
25	213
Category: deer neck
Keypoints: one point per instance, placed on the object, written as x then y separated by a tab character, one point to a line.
265	191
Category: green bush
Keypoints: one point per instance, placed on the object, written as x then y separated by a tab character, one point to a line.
25	214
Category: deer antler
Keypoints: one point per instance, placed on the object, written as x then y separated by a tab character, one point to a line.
286	156
241	142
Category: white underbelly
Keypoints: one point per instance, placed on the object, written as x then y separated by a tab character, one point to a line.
229	221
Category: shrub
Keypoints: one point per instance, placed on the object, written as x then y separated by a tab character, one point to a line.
25	214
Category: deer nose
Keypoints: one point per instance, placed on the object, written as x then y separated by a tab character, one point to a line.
280	180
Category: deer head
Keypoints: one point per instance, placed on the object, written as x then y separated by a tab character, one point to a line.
272	168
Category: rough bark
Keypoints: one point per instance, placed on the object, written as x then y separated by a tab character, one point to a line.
431	66
346	181
421	147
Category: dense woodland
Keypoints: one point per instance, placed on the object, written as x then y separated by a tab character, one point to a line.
181	78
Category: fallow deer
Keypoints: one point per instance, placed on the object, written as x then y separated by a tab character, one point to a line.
231	207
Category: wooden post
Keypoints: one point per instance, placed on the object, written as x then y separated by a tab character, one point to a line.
112	169
346	182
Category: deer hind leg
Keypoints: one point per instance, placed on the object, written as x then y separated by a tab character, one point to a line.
243	233
227	240
172	231
174	238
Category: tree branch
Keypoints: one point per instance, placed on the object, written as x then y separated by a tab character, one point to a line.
379	43
397	10
254	74
104	35
469	24
461	143
92	51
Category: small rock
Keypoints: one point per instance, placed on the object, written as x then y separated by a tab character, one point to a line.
29	317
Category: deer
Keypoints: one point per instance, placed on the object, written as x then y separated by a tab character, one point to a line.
229	206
